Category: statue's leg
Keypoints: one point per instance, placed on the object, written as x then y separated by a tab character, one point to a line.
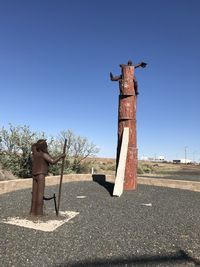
34	196
40	193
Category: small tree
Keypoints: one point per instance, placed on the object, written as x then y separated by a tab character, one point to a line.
78	148
82	149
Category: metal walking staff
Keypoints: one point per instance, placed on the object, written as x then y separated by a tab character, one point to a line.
61	177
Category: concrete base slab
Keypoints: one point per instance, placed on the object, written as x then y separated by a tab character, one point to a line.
42	224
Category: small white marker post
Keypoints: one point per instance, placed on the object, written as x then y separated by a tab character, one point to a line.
119	180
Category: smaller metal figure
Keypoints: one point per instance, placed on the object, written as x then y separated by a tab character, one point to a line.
120	77
40	165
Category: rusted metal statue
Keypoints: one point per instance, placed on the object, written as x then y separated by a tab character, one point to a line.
127	118
40	165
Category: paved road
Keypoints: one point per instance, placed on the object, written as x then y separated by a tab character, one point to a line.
181	177
108	231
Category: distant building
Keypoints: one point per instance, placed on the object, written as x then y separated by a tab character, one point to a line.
185	161
176	161
157	159
160	158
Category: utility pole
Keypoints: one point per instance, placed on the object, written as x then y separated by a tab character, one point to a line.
194	157
185	154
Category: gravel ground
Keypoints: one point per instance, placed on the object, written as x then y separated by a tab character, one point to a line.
108	231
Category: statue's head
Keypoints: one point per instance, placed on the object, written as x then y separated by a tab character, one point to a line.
130	63
41	145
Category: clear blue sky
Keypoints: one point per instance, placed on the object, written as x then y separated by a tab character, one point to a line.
55	59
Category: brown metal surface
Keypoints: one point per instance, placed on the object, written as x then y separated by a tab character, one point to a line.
127	107
132	133
127	118
127	84
130	181
40	163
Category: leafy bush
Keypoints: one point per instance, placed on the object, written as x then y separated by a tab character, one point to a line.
140	170
110	166
15	150
145	168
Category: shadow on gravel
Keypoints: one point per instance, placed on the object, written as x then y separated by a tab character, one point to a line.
101	180
176	258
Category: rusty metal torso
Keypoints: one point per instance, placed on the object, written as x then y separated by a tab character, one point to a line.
39	164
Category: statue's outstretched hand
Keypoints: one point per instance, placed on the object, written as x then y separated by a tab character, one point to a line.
143	64
111	75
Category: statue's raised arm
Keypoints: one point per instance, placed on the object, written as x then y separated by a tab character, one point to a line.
141	64
115	78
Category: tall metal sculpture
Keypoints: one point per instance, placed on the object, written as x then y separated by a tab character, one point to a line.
127	118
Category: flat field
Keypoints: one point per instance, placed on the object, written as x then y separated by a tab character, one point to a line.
166	170
188	172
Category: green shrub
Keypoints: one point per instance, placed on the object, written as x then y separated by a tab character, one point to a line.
15	150
145	168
